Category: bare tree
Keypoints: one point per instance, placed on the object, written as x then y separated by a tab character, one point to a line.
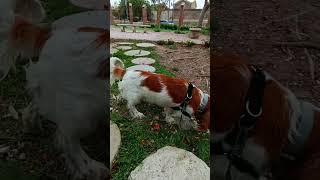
160	6
203	12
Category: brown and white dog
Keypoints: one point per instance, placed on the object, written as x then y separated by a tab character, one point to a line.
164	91
287	126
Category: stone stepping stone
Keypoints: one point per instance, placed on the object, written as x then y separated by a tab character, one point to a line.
115	141
96	18
145	45
171	163
113	50
89	4
124	48
141	68
125	43
143	61
137	53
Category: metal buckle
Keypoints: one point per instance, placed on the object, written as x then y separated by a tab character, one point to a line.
250	113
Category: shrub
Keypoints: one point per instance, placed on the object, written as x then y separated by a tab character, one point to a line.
189	43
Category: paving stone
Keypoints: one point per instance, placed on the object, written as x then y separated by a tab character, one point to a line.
137	53
142	68
143	61
124	48
145	45
171	163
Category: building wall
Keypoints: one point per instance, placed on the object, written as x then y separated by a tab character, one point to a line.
189	14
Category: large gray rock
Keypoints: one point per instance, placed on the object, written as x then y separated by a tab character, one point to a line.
171	163
115	141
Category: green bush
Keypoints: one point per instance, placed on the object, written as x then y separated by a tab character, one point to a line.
189	43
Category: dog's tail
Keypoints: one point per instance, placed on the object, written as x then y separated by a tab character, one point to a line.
117	69
19	34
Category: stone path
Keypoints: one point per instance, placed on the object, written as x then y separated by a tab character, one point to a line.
171	163
115	33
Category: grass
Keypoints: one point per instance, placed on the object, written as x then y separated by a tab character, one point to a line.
138	137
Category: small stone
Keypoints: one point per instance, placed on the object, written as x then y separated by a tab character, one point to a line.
113	51
137	53
124	48
141	68
145	45
143	61
125	43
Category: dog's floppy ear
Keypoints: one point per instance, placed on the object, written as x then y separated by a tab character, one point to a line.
231	82
32	10
116	62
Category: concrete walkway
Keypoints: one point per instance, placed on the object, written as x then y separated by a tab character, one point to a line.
116	33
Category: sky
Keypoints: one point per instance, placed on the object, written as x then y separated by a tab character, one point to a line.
200	3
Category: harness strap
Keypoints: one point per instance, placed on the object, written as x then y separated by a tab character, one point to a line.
185	102
239	134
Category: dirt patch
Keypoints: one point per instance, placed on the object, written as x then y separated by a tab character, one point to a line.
248	28
189	63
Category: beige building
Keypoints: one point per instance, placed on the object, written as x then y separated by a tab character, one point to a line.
188	4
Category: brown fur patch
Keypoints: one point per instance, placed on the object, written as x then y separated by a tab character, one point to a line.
229	90
119	72
22	31
152	81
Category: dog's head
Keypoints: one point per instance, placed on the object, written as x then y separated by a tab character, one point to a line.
116	69
204	117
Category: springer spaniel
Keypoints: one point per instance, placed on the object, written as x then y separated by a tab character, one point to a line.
163	91
283	138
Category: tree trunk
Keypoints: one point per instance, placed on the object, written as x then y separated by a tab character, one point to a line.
159	12
203	12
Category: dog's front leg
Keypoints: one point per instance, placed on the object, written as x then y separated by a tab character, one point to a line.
79	164
31	120
169	115
134	112
133	100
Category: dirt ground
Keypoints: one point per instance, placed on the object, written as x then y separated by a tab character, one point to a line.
251	28
190	63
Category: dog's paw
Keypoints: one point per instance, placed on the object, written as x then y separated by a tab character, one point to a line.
170	120
138	115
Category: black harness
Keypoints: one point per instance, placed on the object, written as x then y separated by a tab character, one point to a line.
185	102
239	134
